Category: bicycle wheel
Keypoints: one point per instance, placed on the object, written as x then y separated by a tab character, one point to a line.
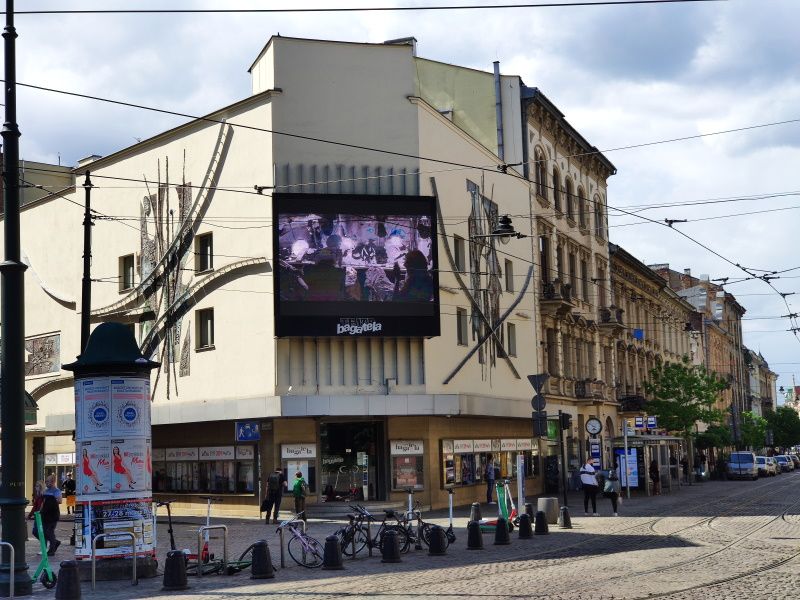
402	537
426	533
306	551
349	535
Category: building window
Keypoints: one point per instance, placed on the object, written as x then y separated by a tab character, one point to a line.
556	190
598	217
205	328
509	274
552	352
460	249
204	252
544	257
126	272
581	208
573	274
560	262
511	329
540	173
461	326
585	281
570	200
601	286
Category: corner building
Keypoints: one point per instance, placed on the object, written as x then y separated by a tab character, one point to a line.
243	218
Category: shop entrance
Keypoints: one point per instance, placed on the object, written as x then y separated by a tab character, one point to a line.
353	461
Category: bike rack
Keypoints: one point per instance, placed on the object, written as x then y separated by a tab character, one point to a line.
11	568
134	579
200	532
280	536
352	526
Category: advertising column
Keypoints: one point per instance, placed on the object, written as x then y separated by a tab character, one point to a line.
113	447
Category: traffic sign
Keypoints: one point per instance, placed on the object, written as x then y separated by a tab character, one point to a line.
652	423
538	402
538	381
247	431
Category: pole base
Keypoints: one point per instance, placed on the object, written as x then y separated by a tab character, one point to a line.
23	586
113	569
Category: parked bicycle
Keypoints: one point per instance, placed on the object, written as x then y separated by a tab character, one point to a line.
305	550
391	522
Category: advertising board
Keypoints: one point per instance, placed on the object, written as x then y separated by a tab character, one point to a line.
354	266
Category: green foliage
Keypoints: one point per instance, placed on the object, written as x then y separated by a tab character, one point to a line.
716	436
753	430
683	394
785	425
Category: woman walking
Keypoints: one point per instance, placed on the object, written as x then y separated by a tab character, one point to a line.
611	489
589	483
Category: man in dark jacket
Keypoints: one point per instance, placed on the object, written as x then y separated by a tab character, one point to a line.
276	484
51	513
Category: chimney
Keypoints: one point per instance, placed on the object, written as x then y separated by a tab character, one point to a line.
89	159
687	272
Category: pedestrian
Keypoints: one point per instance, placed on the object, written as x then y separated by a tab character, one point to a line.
276	484
299	489
589	484
611	489
51	513
655	477
36	506
490	478
685	468
68	489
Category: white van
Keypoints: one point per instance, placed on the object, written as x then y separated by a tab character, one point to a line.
743	465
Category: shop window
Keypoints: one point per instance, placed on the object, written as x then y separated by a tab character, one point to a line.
205	328
219	470
464	462
204	252
460	252
407	465
300	458
126	271
217	476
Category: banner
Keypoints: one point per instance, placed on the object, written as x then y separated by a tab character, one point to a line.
130	408
134	515
94	467
128	458
93	413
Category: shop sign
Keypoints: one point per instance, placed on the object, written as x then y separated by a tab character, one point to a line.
50	460
525	444
181	454
406	447
463	446
65	458
483	445
447	446
245	452
298	451
217	453
159	454
508	445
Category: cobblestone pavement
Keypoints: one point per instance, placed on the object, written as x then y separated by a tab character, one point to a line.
717	539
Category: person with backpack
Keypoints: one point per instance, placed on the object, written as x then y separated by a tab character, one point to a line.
299	489
276	484
51	513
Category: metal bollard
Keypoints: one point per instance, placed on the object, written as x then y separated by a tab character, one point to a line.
525	529
475	512
541	527
261	565
437	545
332	556
501	535
68	585
390	548
205	530
564	520
474	536
283	552
11	568
134	579
175	571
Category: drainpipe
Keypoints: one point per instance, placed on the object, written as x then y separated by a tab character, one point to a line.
498	109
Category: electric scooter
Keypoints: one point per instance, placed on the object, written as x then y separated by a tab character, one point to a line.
169	522
48	577
451	535
504	498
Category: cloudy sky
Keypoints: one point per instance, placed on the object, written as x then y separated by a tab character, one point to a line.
623	75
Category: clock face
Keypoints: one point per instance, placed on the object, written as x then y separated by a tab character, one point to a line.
593	426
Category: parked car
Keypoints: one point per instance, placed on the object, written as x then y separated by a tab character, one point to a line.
776	470
766	466
785	463
795	460
743	465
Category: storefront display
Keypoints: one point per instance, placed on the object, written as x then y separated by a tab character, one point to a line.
300	458
217	469
407	464
464	462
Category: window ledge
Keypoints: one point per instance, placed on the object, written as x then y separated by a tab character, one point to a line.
205	348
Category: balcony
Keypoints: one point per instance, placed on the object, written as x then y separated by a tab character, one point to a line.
611	320
557	298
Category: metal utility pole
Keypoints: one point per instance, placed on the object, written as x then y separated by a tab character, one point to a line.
12	378
86	283
563	459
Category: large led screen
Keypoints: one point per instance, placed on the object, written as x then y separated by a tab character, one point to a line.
351	265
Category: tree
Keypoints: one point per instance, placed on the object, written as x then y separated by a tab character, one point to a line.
716	436
785	425
683	394
753	429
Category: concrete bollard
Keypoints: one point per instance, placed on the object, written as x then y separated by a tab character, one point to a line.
390	548
550	508
261	565
68	586
541	527
332	555
475	512
437	545
564	520
175	571
474	536
501	534
525	529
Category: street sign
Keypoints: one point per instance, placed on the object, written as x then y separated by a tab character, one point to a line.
538	402
638	422
538	381
651	423
247	431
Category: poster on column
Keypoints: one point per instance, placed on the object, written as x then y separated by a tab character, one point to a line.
128	458
134	515
94	467
130	407
93	414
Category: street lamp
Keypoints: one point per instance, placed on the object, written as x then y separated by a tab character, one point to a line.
504	231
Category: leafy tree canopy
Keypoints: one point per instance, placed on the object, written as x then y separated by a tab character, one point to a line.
683	394
785	424
753	430
716	436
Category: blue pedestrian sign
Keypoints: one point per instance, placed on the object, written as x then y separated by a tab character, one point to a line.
248	431
651	423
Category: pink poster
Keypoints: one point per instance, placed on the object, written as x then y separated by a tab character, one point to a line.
94	467
129	457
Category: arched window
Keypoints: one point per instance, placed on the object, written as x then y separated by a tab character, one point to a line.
570	199
581	208
598	216
540	173
556	190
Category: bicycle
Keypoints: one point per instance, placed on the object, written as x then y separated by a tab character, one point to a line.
377	540
305	550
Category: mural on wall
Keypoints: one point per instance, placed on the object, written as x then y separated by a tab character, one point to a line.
43	355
